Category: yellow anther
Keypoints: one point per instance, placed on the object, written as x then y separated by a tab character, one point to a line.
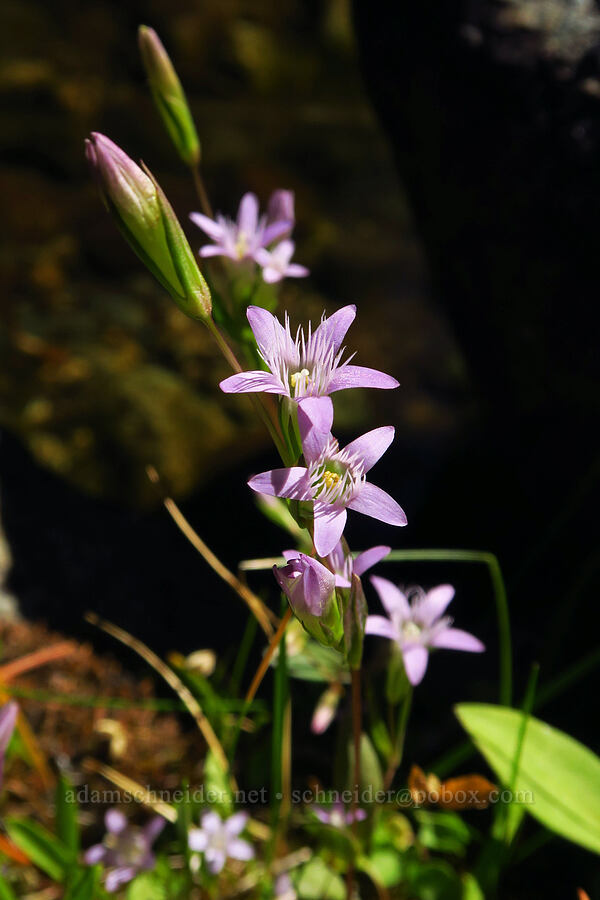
294	378
330	479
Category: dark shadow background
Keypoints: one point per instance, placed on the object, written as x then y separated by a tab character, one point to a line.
445	159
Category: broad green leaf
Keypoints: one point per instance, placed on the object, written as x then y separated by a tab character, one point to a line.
146	886
316	881
67	826
471	888
42	848
383	866
6	892
371	779
434	881
443	831
82	884
560	775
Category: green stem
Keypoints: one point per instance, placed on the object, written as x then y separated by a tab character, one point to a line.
399	738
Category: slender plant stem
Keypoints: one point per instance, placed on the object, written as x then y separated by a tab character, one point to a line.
356	775
400	737
264	665
201	191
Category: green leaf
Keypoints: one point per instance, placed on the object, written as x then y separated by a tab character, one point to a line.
397	684
471	888
443	831
67	826
371	779
6	892
316	881
383	866
42	848
561	776
216	780
83	883
146	886
435	881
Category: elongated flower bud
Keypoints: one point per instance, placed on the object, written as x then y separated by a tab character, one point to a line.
148	223
169	96
310	588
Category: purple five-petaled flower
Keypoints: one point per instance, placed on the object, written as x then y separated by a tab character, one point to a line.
337	816
8	720
333	479
276	263
217	839
417	624
242	239
307	365
344	565
126	850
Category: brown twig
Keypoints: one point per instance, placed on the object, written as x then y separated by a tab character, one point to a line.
264	616
264	665
174	681
131	787
34	660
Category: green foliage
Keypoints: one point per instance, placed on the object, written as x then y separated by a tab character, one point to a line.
83	883
316	881
444	832
43	849
561	776
371	778
147	886
6	892
67	826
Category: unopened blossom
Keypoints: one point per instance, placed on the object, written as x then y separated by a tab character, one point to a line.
308	364
334	479
218	839
310	589
337	816
276	263
126	850
417	624
240	239
8	720
280	208
326	709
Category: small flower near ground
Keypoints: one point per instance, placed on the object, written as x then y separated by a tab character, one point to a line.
240	240
417	624
8	720
126	850
307	365
218	839
337	816
334	479
276	263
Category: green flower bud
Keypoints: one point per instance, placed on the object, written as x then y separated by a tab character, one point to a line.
147	221
169	96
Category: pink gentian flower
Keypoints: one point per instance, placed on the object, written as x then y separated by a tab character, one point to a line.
241	239
276	263
307	365
217	839
126	850
336	815
418	626
8	720
344	566
334	479
308	585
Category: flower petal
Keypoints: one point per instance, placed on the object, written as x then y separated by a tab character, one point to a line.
315	418
247	217
239	849
208	226
276	230
372	501
215	860
255	381
415	662
329	526
292	483
456	639
369	558
211	822
115	821
371	446
153	829
333	329
381	627
236	823
361	377
434	603
8	719
94	854
197	839
214	250
268	331
271	275
118	877
294	270
394	601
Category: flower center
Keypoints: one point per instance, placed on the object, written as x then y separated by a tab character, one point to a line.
336	819
299	380
241	244
335	476
411	631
